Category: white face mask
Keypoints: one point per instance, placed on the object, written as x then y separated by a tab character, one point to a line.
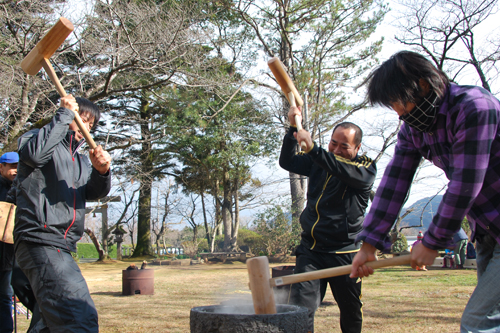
422	116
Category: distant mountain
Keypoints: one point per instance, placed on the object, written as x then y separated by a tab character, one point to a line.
413	219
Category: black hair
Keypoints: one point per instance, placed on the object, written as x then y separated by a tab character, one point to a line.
358	133
87	107
397	79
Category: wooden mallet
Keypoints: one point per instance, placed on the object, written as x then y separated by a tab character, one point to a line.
287	87
7	216
262	293
39	57
261	284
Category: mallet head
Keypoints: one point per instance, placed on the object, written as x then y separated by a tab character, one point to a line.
262	293
46	47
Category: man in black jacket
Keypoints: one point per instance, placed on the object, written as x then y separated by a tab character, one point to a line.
338	192
53	183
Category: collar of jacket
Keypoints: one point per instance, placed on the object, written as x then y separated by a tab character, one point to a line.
75	145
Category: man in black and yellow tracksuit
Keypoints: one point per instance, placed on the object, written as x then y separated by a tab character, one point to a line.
338	192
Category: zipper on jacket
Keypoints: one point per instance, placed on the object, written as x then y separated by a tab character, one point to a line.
317	212
74	213
70	152
343	194
74	189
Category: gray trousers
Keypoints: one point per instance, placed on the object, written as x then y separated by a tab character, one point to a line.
59	288
482	313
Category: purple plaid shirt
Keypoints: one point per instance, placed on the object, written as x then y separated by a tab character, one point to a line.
465	143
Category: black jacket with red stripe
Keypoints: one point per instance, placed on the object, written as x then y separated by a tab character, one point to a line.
53	183
337	195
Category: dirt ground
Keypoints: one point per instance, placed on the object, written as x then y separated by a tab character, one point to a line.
396	299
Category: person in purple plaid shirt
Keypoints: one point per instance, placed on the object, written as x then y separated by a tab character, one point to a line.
457	128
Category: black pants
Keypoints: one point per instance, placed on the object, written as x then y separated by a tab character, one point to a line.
60	289
346	291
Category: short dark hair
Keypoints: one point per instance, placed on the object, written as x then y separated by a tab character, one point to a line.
397	79
85	106
358	133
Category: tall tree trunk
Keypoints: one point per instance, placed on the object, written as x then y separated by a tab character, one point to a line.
226	211
234	233
143	246
104	228
144	217
218	215
163	231
204	209
195	234
297	190
297	183
131	233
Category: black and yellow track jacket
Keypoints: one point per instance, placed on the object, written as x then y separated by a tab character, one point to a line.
337	195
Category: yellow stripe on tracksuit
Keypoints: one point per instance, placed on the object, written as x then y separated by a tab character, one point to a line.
366	162
317	212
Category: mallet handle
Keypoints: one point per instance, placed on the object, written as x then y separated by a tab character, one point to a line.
291	98
336	271
60	89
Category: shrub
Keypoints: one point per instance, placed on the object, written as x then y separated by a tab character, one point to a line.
203	245
251	239
88	250
400	245
279	234
190	248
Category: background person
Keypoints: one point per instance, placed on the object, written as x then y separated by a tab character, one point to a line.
471	251
458	129
8	171
448	259
460	239
420	236
53	183
338	192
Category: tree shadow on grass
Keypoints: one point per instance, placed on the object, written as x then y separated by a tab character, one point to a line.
110	293
324	304
401	314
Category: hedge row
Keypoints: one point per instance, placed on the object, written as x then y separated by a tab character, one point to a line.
88	250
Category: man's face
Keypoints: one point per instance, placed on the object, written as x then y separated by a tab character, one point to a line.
88	122
342	143
402	109
8	170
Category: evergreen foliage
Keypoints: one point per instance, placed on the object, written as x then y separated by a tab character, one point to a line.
400	245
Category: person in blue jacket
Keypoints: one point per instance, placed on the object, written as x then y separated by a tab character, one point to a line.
471	251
